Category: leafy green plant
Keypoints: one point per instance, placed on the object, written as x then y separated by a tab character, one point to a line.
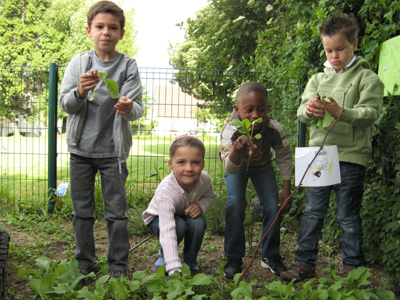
323	122
63	281
246	127
215	223
112	86
136	226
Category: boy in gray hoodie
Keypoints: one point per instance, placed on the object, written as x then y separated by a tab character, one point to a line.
99	135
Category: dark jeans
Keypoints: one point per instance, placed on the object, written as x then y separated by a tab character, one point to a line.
348	196
264	181
186	227
82	174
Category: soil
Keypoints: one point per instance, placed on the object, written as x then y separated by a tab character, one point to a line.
210	257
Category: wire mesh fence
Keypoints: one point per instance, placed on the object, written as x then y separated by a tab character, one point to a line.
176	101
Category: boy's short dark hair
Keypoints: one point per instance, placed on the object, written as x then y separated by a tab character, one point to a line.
252	86
106	7
340	23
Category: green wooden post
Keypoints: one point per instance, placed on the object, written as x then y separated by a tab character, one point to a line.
52	140
301	136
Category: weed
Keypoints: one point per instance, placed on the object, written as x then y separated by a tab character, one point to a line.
136	226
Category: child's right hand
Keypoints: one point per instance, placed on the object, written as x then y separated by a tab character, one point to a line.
87	82
315	107
242	142
193	210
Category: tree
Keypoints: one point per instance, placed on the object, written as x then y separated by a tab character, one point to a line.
21	24
68	21
291	45
222	36
34	33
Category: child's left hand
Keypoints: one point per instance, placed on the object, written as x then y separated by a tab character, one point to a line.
193	210
282	197
124	106
333	108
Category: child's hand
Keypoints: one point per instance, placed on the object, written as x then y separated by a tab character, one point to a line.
243	142
282	197
124	106
88	81
315	107
285	194
333	108
193	210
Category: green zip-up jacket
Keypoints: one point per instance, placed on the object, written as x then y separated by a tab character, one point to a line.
363	104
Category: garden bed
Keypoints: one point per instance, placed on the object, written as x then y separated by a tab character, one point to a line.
55	246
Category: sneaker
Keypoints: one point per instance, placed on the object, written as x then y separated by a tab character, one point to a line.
233	267
85	271
274	264
195	272
298	271
154	267
119	274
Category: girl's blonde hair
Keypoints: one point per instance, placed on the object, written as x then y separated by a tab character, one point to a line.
186	140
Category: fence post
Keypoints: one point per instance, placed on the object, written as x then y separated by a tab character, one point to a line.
301	135
52	134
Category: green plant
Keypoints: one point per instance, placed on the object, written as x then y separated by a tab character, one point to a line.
62	280
136	226
155	173
216	223
246	127
112	86
324	122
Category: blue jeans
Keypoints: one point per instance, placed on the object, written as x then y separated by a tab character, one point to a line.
192	230
264	181
82	175
348	196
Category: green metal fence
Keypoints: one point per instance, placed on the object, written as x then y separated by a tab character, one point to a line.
34	156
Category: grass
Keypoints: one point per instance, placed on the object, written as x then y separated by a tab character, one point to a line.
24	165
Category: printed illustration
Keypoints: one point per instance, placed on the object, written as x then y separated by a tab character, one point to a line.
319	166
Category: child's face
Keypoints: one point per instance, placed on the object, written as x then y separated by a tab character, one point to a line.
339	51
187	164
251	106
106	33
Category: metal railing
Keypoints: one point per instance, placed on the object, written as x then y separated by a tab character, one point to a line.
34	155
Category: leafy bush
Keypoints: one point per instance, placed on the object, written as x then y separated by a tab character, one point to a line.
136	226
215	216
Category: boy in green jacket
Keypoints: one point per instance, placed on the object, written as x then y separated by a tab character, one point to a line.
352	134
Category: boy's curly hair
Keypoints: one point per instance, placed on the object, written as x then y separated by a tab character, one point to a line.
340	23
106	7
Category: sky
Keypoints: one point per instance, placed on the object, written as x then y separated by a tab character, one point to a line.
156	21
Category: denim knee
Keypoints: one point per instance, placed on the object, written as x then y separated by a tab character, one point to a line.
181	228
199	224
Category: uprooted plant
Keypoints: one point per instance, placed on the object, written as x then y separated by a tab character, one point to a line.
246	127
112	86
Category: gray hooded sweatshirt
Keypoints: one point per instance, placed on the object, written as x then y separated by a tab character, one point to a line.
94	128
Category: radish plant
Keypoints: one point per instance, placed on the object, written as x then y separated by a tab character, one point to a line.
112	86
323	122
246	127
